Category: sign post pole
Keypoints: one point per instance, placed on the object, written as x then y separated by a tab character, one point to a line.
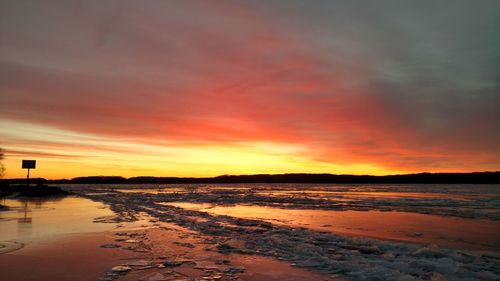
29	164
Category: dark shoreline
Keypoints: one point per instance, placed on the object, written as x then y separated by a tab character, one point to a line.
420	178
31	191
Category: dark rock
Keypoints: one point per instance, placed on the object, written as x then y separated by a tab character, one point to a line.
235	269
172	263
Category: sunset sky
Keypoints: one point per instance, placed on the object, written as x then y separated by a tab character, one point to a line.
203	88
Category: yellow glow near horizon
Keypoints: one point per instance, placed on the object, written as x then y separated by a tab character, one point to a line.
73	154
183	162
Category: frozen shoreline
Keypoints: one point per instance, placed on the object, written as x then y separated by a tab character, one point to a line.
349	257
104	247
465	202
443	231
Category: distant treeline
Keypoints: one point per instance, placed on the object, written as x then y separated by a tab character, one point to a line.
479	177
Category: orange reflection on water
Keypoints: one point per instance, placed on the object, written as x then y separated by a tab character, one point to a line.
377	194
29	220
401	226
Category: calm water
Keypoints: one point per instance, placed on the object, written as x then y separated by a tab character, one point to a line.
30	221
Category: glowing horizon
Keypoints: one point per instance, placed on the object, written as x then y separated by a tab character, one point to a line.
198	88
79	155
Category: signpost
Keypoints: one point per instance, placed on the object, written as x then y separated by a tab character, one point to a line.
29	164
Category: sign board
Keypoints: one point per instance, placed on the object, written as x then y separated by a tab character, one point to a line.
29	164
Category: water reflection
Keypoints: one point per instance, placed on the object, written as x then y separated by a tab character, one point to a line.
32	220
24	224
401	226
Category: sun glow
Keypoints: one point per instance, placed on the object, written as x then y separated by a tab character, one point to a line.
65	154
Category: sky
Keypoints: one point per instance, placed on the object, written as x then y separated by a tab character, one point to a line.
204	88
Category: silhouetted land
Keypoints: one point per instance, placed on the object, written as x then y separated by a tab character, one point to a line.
422	178
38	190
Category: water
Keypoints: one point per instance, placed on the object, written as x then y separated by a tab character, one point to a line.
461	216
324	227
31	221
443	231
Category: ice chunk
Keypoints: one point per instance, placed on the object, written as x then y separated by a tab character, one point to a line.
121	268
